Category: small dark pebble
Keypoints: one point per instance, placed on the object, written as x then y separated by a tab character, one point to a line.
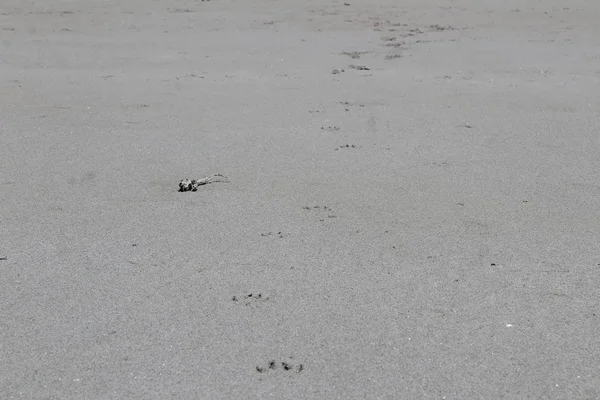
3	258
259	369
300	368
234	298
286	366
493	264
272	365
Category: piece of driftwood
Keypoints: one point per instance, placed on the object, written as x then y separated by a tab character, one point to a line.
187	185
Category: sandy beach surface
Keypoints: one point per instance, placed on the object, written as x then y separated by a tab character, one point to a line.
413	208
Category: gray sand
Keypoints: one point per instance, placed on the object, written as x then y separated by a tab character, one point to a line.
424	228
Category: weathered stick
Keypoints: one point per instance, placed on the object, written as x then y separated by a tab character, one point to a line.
187	185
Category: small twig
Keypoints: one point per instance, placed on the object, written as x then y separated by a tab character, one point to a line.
187	185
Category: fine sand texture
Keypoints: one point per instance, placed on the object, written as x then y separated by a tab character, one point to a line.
412	211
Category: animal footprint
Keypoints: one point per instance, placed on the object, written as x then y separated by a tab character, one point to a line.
347	146
321	211
249	298
359	67
282	366
437	164
354	54
281	235
347	103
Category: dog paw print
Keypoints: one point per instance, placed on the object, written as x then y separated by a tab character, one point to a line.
346	146
354	54
437	164
347	105
323	212
280	235
250	298
283	366
412	32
